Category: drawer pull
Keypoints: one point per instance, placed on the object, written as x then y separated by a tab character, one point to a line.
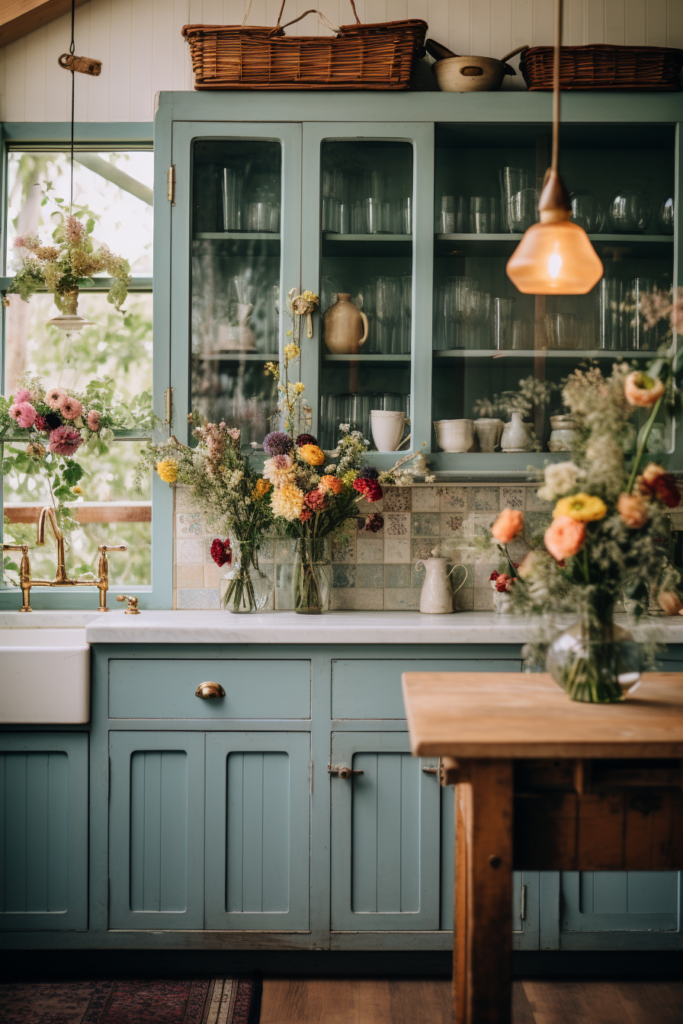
343	772
209	691
431	771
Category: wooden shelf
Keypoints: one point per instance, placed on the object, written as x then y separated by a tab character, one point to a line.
502	244
239	357
367	357
565	353
242	236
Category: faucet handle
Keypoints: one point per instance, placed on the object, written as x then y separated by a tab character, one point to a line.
132	608
15	547
107	547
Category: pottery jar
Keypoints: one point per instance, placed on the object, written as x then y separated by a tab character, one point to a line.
454	435
563	434
387	429
436	597
516	436
345	326
488	433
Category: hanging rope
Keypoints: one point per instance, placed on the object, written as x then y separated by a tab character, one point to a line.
72	50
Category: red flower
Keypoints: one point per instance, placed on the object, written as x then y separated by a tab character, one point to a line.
221	552
504	582
41	423
374	491
656	481
494	575
305	515
374	522
315	500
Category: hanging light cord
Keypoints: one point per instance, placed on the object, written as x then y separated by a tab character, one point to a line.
72	49
556	85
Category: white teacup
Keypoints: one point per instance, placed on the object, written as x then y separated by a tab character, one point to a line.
387	428
454	435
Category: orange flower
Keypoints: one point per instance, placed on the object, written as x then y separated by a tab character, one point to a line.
311	454
633	509
642	390
564	537
507	525
669	602
330	483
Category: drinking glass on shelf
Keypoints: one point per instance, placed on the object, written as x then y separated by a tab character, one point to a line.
457	292
522	335
232	198
587	211
357	413
480	215
389	401
406	315
630	211
522	210
446	219
503	315
560	330
611	315
512	181
640	337
666	217
404	216
385	295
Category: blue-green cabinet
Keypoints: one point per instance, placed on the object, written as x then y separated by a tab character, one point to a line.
43	831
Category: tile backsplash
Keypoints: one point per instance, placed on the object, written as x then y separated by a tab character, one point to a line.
374	571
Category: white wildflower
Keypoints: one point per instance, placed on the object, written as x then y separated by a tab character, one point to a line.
560	478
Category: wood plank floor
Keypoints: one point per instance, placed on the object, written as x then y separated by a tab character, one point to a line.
414	1001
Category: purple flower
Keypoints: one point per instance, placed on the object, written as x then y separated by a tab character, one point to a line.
369	473
277	443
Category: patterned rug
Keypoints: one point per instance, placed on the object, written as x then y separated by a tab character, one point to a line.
203	1001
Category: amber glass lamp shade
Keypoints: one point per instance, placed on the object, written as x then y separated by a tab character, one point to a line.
555	258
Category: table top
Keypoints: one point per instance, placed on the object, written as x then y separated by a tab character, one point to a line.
510	714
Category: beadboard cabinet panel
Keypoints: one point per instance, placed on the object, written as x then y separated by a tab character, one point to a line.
43	831
604	901
156	848
258	831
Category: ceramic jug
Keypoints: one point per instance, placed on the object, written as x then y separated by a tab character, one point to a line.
436	597
346	326
516	436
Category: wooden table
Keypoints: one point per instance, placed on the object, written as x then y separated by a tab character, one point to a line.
543	784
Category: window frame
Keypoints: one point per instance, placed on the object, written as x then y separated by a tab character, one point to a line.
159	594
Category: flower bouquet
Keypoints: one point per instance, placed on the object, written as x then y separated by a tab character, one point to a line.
232	496
608	540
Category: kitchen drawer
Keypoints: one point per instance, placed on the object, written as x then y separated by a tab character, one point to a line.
372	689
274	689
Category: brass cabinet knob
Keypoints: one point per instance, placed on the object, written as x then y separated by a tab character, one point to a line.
209	691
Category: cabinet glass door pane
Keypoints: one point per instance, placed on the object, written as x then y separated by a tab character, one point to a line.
366	267
497	351
236	199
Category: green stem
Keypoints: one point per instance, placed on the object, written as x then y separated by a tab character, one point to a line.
642	445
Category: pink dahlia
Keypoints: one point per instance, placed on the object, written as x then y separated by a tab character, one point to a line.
22	395
93	420
23	413
71	408
65	441
55	397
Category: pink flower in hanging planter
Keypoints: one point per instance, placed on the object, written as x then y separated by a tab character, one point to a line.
23	413
65	441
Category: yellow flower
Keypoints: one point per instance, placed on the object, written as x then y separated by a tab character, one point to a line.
168	470
261	489
77	490
287	501
311	454
349	477
310	297
299	387
585	508
292	351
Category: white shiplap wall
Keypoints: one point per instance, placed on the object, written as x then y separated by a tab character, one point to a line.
143	52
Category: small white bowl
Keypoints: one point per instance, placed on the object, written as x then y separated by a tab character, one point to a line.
454	435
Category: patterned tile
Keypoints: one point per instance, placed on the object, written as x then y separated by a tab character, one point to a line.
452	524
365	600
533	502
189	552
369	550
402	600
190	576
425	524
211	575
204	599
343	575
486	499
423	547
483	599
481	524
518	549
397	524
453	498
362	529
398	576
344	547
397	549
512	497
464	600
370	576
425	499
397	499
184	501
482	571
188	524
366	507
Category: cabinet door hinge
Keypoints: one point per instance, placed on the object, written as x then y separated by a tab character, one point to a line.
522	909
170	184
168	407
108	779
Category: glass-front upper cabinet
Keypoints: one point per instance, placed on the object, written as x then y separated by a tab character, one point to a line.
497	352
243	231
364	264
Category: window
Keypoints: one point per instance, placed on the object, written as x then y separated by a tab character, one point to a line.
116	185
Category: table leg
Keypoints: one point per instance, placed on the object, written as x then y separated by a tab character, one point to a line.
483	894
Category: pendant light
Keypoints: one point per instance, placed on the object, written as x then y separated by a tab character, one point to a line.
555	256
71	322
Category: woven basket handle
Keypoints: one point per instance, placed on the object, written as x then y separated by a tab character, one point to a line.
280	28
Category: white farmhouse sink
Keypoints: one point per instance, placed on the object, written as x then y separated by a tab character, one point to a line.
44	677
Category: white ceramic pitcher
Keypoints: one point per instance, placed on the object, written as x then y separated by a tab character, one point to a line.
437	593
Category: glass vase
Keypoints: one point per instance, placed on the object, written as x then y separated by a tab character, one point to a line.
597	663
244	587
312	578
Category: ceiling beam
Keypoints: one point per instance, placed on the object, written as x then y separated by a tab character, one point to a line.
19	17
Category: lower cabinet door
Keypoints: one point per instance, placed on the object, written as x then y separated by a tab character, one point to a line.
156	830
619	909
258	830
43	831
385	835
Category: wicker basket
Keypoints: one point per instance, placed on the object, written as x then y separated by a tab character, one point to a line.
358	57
603	67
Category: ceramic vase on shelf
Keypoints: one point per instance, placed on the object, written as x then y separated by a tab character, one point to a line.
516	436
454	435
488	433
502	603
436	597
562	433
244	587
345	326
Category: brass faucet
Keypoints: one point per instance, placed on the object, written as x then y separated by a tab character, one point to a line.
61	578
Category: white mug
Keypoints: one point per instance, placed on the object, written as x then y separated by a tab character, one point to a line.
387	428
